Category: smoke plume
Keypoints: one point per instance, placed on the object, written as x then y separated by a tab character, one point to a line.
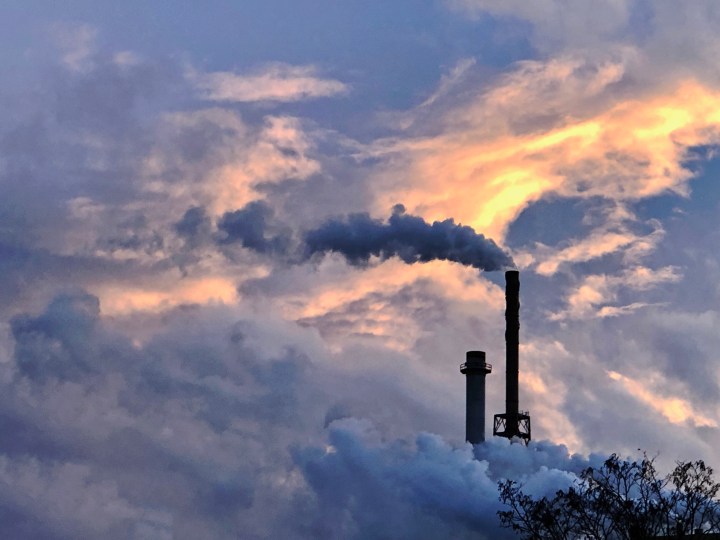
408	237
254	226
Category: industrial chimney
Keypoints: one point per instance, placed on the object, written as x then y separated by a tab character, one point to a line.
475	369
514	423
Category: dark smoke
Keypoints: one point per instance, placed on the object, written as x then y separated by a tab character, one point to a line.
252	226
408	237
359	237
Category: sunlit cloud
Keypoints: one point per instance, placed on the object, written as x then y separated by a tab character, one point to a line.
233	158
275	82
675	409
595	245
364	303
122	300
591	297
498	152
540	359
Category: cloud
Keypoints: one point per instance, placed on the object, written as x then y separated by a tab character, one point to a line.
670	51
70	320
580	398
91	408
194	225
555	127
675	409
274	83
159	295
430	308
556	23
77	43
230	157
100	169
614	236
593	296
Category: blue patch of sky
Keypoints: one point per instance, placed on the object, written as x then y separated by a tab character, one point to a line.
551	221
691	242
705	190
692	234
704	162
641	20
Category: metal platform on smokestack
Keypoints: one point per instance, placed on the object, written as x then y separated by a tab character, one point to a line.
518	426
514	422
475	369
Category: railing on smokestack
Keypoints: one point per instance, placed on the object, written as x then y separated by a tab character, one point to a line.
483	365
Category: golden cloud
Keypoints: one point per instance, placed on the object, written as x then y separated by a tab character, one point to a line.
361	299
556	127
675	409
121	300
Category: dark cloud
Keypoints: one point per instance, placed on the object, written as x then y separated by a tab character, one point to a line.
183	426
72	153
408	237
57	343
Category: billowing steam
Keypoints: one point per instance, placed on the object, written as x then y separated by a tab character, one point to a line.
213	428
367	487
408	237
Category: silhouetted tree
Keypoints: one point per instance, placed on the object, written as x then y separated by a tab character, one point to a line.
621	500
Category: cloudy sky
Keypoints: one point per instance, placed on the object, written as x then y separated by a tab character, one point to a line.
217	321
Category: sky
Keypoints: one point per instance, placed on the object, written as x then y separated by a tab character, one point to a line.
244	247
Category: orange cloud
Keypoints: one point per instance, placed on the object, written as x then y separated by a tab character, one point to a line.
362	298
243	157
517	142
675	409
120	300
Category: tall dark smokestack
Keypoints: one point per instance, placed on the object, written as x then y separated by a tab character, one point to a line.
475	369
512	343
514	423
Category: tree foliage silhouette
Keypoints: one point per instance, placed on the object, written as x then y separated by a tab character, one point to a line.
621	500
